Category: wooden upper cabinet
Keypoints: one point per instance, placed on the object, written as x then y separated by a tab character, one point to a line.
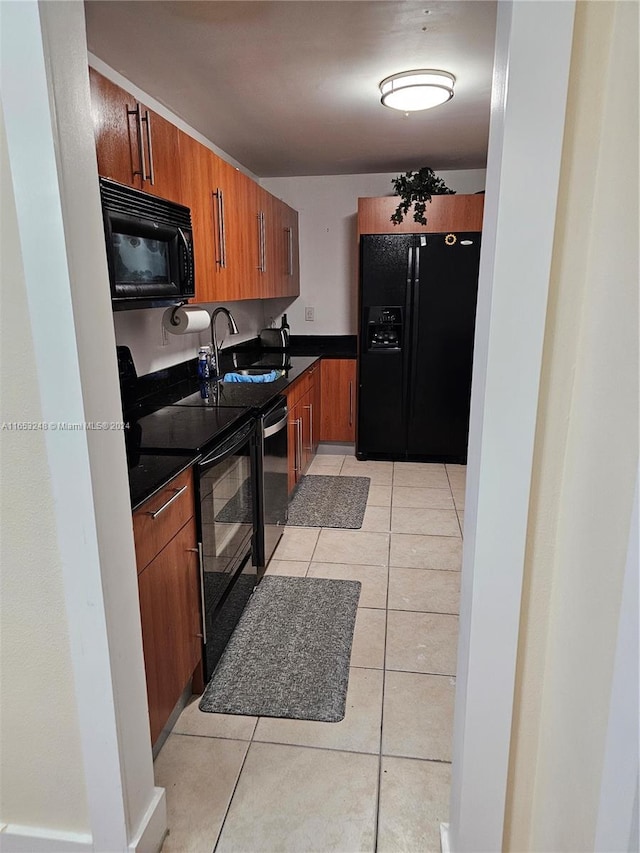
443	213
235	232
197	193
245	240
116	130
163	177
273	276
134	145
291	286
283	246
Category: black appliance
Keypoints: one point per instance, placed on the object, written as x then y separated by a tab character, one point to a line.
226	509
417	319
149	248
271	456
272	492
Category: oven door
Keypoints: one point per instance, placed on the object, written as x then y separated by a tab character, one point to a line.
226	509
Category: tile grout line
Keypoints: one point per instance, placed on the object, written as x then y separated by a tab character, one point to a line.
255	728
384	670
233	793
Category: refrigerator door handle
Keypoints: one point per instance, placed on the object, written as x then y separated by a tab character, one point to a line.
415	327
407	334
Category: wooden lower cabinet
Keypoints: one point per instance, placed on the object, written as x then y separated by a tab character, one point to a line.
303	400
169	594
338	394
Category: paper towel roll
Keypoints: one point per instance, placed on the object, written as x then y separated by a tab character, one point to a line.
185	320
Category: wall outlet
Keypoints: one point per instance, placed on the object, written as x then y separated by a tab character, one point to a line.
309	314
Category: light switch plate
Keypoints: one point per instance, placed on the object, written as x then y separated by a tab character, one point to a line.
309	314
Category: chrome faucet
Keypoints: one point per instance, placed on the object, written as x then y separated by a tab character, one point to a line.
215	348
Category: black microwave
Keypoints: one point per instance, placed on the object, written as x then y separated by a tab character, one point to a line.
149	248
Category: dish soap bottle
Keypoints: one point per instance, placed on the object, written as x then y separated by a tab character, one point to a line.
285	331
204	363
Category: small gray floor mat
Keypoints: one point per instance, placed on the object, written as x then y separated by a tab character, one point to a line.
325	501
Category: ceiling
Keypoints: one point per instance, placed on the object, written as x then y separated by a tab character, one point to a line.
291	88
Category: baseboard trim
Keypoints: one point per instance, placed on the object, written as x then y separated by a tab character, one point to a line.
153	826
18	838
335	447
445	842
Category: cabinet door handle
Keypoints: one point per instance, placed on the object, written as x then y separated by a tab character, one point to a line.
350	403
261	252
310	407
295	445
289	251
143	166
202	601
300	444
147	120
222	241
174	497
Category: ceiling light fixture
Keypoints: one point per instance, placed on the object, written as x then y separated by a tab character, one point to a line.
410	91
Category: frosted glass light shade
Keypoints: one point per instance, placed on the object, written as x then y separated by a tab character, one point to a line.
411	91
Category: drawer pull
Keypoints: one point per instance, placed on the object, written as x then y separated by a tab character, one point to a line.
196	550
157	512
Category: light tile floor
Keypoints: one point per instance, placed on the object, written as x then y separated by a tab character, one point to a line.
378	780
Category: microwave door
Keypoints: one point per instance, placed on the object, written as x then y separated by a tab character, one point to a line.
141	255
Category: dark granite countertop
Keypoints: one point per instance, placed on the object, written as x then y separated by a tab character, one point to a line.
256	395
171	420
152	472
164	441
327	346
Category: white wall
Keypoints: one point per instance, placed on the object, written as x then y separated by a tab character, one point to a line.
141	330
327	207
586	453
39	726
72	379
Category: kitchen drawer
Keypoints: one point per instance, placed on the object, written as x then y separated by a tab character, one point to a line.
302	384
158	520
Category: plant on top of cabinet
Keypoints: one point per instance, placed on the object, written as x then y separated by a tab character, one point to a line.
416	188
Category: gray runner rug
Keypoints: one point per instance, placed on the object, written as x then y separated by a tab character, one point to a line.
289	654
324	501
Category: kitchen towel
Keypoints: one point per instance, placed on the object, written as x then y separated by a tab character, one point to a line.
253	377
185	320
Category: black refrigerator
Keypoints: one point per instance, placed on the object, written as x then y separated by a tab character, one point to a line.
417	309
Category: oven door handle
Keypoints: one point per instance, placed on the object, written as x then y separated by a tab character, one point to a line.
227	448
272	430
